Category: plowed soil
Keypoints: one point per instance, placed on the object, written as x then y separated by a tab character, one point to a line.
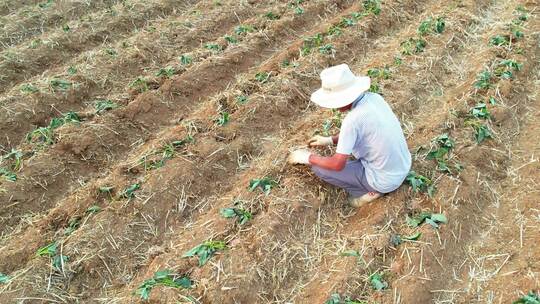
204	97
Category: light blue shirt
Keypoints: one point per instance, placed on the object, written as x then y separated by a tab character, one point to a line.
372	133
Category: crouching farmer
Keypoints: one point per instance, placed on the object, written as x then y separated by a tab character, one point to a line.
370	132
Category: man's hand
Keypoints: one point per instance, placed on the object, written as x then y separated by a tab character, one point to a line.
299	157
318	140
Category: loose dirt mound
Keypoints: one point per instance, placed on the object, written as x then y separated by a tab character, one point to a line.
144	142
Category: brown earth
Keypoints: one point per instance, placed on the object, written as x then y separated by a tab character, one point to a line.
290	251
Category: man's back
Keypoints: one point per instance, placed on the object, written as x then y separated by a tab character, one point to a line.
372	133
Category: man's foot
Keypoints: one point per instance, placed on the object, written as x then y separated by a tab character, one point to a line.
358	202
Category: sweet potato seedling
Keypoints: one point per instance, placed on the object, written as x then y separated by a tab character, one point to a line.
186	59
93	209
382	73
73	225
440	154
205	251
500	40
111	52
243	216
45	4
272	16
413	46
49	250
72	70
420	183
377	281
480	111
336	299
530	298
265	184
58	261
140	84
166	152
430	26
214	47
28	88
104	105
506	67
230	39
8	175
396	239
45	135
16	156
241	99
372	6
262	77
4	278
129	192
164	278
481	131
60	84
311	43
434	219
483	80
243	29
166	72
327	49
222	119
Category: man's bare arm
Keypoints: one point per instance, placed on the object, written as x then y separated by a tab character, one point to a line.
336	162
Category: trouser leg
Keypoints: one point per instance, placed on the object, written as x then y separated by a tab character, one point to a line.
351	178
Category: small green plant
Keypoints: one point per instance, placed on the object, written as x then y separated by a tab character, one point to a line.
336	299
374	87
165	153
372	6
8	175
129	192
397	239
45	4
483	80
444	145
420	183
241	99
58	261
334	121
383	73
214	47
66	28
243	29
186	59
377	282
73	225
93	209
262	77
166	72
431	25
72	70
499	40
298	10
4	278
60	85
347	22
104	105
326	49
164	278
243	216
506	67
230	39
434	219
49	250
28	88
111	52
335	30
413	46
46	134
481	131
265	184
16	156
272	16
205	251
530	298
480	111
140	84
311	43
222	119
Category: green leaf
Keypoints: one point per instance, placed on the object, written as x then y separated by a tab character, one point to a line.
228	212
186	59
432	223
412	237
129	191
377	282
93	209
530	298
439	218
58	261
4	278
395	239
49	250
351	252
184	282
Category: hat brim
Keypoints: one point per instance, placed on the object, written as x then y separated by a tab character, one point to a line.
339	99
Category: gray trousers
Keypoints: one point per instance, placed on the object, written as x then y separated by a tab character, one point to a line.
352	178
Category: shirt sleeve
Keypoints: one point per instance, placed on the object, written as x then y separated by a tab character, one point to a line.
347	138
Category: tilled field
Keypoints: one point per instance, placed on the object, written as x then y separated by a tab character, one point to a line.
134	131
